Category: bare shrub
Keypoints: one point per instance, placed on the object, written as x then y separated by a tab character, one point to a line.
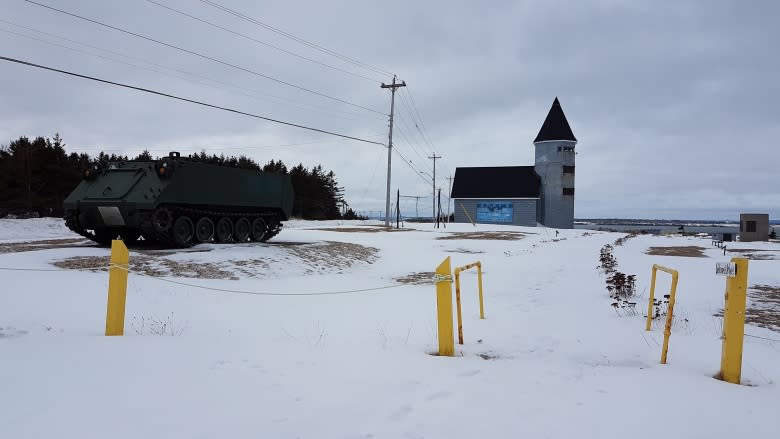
158	326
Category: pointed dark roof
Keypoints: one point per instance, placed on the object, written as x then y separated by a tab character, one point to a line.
555	126
496	182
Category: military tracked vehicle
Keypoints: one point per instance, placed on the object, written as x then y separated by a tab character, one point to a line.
178	202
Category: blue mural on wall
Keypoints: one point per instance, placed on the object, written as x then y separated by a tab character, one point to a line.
494	212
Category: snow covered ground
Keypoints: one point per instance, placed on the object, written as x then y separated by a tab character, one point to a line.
552	358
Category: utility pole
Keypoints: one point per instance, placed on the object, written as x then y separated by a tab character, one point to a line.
398	208
392	88
434	184
449	197
416	200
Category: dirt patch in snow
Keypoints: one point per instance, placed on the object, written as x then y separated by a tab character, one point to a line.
155	266
319	257
689	251
420	278
756	254
332	254
46	244
495	236
763	309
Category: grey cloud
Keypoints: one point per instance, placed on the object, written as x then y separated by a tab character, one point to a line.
673	102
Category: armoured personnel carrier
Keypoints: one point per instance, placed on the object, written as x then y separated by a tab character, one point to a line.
178	202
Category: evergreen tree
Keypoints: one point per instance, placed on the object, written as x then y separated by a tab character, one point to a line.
37	175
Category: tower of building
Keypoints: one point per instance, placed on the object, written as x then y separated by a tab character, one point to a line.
555	165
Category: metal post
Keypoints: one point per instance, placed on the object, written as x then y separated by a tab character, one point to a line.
392	88
398	208
734	323
117	288
669	318
443	281
458	270
650	302
481	303
438	211
449	198
457	303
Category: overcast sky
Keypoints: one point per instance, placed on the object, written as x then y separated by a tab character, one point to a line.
674	103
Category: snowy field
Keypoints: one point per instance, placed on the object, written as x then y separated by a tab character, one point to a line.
277	358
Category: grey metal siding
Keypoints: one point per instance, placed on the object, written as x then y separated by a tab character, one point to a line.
523	211
555	210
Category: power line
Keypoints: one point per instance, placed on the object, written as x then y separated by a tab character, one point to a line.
200	55
262	96
409	164
296	38
371	180
424	129
212	148
414	121
403	134
187	100
259	41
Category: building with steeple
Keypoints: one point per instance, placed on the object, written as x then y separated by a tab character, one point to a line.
524	195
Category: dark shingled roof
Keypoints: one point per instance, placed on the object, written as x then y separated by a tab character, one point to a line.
496	182
555	126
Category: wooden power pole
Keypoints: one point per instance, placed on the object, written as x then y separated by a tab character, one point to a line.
433	217
392	88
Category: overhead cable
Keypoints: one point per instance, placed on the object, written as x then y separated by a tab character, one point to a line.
207	57
296	38
205	104
259	41
253	93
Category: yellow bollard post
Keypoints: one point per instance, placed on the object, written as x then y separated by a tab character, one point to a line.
443	281
652	297
734	323
481	303
457	303
669	317
117	288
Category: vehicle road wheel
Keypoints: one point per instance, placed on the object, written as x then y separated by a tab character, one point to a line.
224	230
259	229
242	229
162	220
183	231
204	230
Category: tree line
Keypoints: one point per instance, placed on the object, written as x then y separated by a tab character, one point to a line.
37	175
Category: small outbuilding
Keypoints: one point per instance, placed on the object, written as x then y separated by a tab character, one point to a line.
723	236
496	195
753	227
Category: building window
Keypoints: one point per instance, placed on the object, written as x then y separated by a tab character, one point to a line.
750	226
568	169
565	148
568	191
